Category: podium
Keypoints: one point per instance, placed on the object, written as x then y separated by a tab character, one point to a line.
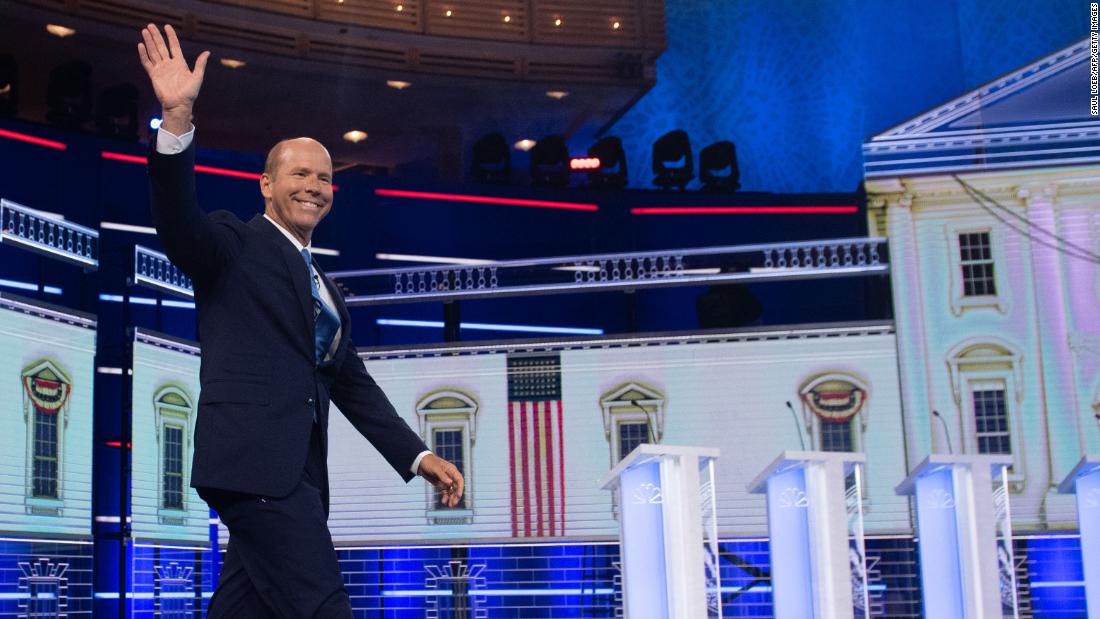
1084	481
668	528
815	534
965	535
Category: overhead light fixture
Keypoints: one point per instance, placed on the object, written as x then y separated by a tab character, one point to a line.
525	144
356	136
718	168
672	161
492	161
399	8
507	19
232	63
557	22
557	94
59	31
448	12
615	25
398	84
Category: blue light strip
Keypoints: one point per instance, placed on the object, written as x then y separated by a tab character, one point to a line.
117	298
11	283
404	593
484	326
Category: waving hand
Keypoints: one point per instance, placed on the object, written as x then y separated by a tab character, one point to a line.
175	84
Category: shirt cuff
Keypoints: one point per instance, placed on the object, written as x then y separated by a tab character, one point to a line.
416	463
172	144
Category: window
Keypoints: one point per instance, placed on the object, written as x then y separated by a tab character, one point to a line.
173	467
45	455
46	390
976	266
633	414
449	443
991	421
837	436
988	389
632	434
834	411
976	262
174	411
448	424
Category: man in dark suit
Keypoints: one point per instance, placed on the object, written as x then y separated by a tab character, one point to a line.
276	348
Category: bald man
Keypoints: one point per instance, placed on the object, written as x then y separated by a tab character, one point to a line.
276	349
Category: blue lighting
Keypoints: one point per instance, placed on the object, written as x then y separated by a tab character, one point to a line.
484	326
113	298
51	290
154	123
11	283
174	303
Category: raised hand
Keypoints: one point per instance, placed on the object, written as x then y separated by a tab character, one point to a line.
175	84
444	476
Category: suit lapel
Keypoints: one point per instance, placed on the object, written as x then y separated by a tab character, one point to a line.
299	275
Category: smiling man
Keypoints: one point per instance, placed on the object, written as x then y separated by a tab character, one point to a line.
276	349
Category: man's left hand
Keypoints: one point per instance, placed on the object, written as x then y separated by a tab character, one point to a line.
444	476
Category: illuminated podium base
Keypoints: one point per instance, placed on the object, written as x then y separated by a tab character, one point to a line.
1084	481
815	534
668	530
965	535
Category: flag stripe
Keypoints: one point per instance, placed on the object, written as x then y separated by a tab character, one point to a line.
512	464
561	470
549	466
526	475
536	436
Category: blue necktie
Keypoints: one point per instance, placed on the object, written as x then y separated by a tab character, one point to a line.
327	322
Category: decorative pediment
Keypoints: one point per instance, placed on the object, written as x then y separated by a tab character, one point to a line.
633	398
1038	115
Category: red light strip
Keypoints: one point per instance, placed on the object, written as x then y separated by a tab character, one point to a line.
455	197
23	137
204	169
743	210
118	444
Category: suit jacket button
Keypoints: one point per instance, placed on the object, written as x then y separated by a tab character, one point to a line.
309	401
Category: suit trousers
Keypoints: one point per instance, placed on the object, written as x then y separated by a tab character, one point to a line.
280	562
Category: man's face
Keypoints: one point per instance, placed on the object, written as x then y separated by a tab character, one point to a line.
298	190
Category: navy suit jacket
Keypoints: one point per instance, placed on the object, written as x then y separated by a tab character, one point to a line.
260	383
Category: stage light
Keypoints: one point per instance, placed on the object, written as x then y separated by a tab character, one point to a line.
116	112
718	168
398	84
399	8
557	94
550	162
615	25
232	63
492	162
525	144
355	136
448	13
580	164
154	123
557	22
507	19
69	95
611	173
59	31
9	86
672	161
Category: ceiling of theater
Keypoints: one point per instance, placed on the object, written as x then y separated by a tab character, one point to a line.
426	129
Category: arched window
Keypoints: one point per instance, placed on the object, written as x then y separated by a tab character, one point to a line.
633	413
46	390
834	408
174	409
988	388
448	424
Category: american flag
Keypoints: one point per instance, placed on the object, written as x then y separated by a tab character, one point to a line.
535	445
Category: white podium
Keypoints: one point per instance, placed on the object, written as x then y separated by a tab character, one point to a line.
668	530
815	534
964	528
1084	481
